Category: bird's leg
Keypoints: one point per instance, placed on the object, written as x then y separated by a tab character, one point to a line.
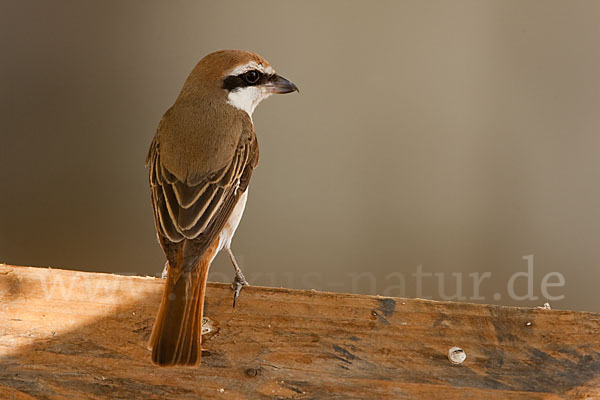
240	281
165	271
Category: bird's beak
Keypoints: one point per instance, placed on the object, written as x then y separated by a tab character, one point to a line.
278	85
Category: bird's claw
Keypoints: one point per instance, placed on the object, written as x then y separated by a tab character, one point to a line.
238	284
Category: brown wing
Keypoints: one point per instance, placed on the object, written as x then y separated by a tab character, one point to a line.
191	215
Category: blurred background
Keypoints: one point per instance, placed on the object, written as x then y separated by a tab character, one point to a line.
446	150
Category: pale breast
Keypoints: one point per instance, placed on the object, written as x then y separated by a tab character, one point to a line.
232	223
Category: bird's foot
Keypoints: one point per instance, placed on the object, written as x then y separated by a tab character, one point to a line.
238	284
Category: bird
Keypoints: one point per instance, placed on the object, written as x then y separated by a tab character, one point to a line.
200	163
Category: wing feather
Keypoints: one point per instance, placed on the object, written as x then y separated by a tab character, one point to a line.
197	212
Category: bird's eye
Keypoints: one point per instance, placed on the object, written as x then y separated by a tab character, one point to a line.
252	76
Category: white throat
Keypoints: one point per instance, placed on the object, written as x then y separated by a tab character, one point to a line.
247	98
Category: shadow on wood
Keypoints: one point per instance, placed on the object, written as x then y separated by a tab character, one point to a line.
83	335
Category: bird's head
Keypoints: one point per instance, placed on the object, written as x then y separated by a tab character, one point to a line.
242	78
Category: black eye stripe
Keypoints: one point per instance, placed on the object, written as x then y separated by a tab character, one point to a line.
234	82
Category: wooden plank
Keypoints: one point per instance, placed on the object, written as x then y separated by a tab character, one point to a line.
69	334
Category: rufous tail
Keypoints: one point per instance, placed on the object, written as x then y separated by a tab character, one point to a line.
177	334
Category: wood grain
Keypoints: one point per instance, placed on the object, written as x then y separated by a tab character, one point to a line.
69	334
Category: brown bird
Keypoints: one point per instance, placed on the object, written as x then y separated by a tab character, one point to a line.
200	161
